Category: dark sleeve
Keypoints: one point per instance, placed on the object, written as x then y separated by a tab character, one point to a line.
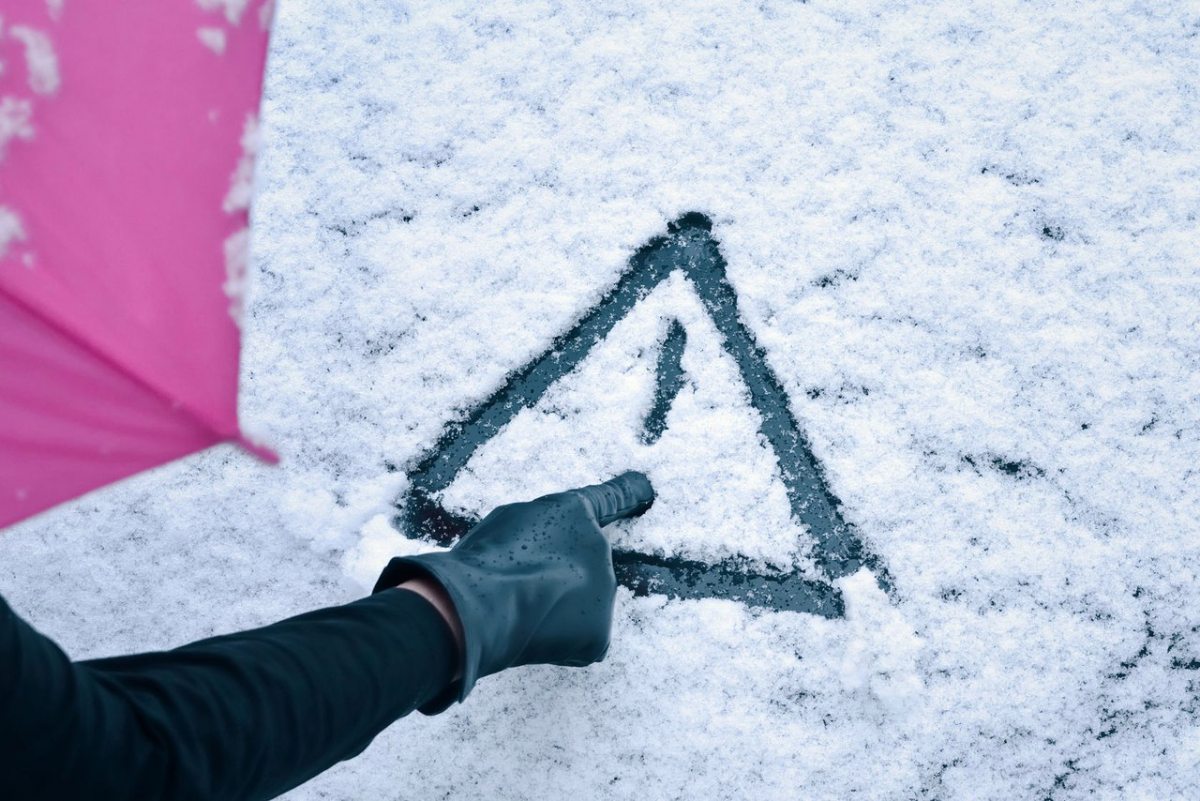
243	716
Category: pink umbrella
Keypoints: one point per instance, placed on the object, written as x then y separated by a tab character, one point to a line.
126	144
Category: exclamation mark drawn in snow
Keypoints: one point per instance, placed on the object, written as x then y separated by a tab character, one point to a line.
687	248
669	380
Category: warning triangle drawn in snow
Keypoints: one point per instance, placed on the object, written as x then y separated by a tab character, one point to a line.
688	249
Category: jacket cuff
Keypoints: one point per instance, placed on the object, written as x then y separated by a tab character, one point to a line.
401	569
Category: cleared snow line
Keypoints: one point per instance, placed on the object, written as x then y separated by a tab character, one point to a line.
212	38
688	247
233	8
40	59
668	383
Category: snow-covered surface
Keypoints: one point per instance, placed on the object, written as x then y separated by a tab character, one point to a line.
966	237
719	494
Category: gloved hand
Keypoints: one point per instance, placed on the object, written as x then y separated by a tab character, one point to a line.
533	582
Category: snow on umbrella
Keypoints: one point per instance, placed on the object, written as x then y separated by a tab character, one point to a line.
126	145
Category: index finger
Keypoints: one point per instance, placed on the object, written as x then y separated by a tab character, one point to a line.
627	495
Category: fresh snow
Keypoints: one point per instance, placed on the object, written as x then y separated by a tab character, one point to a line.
40	59
241	182
212	38
11	228
16	115
590	423
237	259
232	9
965	236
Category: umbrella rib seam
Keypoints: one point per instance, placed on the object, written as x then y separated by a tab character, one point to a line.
114	362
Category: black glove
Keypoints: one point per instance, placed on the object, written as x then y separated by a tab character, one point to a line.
533	582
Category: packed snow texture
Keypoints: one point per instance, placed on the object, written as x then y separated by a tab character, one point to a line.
965	236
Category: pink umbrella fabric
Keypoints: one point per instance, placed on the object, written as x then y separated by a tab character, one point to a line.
126	141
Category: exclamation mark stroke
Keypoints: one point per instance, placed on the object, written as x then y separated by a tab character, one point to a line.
669	382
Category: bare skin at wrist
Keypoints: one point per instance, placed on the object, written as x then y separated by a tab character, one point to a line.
437	596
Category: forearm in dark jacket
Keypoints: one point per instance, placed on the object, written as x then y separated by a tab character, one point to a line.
242	716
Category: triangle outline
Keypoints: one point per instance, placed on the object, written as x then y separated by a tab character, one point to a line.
689	247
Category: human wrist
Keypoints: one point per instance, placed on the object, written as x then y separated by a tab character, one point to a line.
433	592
